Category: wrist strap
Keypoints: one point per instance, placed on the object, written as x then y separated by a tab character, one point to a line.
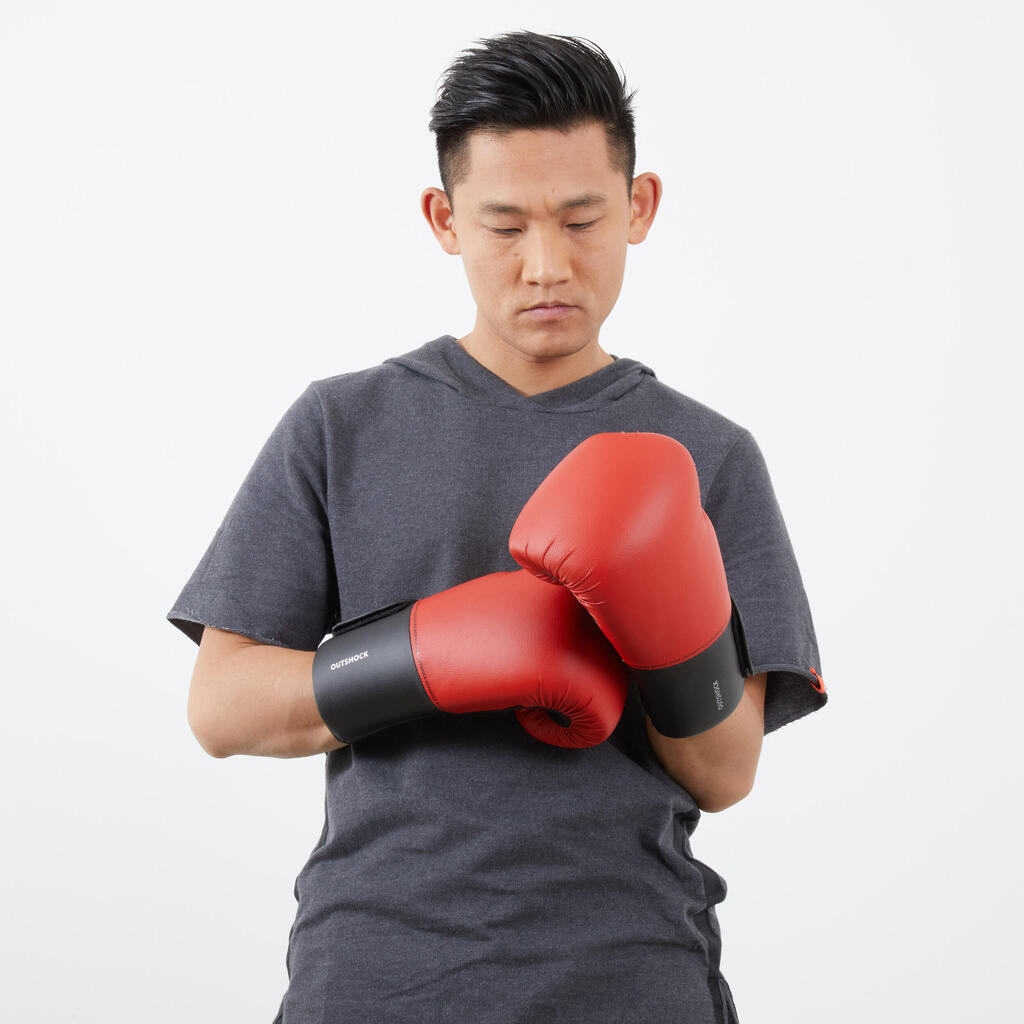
697	694
364	674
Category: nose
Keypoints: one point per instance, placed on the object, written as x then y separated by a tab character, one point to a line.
545	253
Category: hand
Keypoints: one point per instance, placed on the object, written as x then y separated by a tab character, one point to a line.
620	524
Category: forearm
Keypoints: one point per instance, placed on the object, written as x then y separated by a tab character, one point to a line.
262	704
717	767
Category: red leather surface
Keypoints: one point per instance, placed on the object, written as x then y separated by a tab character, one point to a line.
619	522
508	639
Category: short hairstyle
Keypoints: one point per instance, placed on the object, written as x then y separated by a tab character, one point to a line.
525	80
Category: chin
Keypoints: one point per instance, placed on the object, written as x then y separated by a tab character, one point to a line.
550	341
549	348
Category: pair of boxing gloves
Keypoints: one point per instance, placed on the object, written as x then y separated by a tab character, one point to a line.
621	574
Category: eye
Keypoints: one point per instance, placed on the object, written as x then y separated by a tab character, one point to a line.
579	227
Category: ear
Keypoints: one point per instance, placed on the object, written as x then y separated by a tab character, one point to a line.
438	212
646	197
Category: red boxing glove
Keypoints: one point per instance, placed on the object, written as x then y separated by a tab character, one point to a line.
619	523
501	641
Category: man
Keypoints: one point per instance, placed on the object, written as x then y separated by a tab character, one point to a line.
468	870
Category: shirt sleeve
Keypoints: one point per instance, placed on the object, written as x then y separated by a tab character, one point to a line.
269	572
765	584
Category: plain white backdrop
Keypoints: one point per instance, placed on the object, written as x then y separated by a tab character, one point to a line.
204	206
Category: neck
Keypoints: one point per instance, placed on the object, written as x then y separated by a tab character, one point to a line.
530	374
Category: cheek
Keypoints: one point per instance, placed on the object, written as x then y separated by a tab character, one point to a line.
596	262
481	266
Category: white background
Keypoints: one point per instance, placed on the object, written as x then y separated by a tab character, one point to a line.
204	206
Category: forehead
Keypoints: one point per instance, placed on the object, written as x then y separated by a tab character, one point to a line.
510	172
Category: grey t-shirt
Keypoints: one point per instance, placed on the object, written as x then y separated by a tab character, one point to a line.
465	870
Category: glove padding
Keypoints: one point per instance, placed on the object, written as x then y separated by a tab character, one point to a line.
619	522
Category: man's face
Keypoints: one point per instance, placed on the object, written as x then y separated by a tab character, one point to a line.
543	250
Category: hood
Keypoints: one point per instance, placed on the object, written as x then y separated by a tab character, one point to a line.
445	361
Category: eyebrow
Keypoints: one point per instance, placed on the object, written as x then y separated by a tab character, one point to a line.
587	199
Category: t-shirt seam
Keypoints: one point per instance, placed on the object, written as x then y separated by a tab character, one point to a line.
325	498
190	615
725	458
494	402
783	667
527	411
588	404
322	458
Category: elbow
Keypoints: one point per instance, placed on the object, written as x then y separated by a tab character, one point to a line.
715	806
202	727
207	741
722	799
218	752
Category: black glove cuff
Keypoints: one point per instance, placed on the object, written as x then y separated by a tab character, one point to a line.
696	695
364	674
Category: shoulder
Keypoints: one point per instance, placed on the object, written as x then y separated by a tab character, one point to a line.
353	381
710	436
365	387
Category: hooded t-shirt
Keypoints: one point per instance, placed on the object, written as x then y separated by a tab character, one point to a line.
466	871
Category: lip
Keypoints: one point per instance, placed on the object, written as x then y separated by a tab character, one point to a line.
549	312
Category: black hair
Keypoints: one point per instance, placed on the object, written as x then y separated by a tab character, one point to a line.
526	80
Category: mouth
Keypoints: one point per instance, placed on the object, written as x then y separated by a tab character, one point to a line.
549	312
